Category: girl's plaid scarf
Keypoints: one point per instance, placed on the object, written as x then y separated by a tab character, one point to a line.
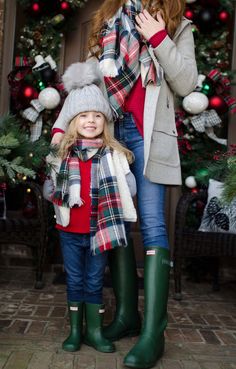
124	56
106	222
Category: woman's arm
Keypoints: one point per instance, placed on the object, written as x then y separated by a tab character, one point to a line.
177	57
178	61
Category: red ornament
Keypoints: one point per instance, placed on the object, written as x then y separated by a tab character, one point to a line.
65	5
217	102
224	16
28	92
35	7
189	14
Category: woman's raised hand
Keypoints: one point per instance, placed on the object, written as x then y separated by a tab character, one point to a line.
147	25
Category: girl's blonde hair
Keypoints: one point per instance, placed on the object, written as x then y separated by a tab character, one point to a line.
71	135
172	12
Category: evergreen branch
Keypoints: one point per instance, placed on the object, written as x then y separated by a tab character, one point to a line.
22	170
9	141
4	152
229	191
17	161
10	169
1	173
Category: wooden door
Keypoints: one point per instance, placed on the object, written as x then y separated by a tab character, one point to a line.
75	44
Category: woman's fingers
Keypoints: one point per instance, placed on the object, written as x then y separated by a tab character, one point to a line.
148	26
147	14
160	19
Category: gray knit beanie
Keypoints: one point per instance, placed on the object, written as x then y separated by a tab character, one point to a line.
81	81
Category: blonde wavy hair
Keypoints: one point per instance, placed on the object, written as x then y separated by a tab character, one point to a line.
71	135
172	12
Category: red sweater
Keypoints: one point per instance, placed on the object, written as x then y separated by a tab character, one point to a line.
135	101
80	216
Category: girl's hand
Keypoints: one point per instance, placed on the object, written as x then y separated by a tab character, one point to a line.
57	137
148	26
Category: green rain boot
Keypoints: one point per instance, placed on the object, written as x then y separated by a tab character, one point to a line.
72	343
93	333
127	320
150	345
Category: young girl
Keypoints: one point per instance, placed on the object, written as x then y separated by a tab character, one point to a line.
89	189
145	50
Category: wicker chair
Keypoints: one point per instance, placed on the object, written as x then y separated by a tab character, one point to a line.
30	231
193	243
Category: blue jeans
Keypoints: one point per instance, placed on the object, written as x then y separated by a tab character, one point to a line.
150	196
84	271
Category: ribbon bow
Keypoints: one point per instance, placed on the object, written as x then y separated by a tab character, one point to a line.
205	121
33	114
222	87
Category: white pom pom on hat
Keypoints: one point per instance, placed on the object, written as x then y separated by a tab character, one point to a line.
81	81
79	75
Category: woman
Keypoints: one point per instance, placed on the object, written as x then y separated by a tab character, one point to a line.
145	51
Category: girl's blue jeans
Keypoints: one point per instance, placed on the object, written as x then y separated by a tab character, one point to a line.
150	196
84	271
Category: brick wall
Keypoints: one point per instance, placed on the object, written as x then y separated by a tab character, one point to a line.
2	2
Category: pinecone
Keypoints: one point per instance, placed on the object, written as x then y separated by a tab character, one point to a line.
213	206
222	221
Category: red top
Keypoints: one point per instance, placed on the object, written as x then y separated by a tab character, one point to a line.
80	217
135	101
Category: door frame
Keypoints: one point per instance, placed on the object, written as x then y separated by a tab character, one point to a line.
7	53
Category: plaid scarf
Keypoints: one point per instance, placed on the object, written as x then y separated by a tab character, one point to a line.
68	186
124	56
106	222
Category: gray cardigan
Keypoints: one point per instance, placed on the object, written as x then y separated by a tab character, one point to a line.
177	58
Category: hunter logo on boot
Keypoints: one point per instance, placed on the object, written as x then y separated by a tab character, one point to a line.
74	308
151	252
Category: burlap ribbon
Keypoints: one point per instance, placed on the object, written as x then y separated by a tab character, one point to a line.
205	121
34	115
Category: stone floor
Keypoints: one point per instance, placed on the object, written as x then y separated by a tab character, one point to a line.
33	323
